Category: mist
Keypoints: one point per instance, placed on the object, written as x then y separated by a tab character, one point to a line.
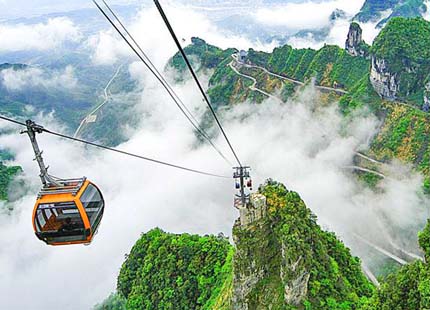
300	143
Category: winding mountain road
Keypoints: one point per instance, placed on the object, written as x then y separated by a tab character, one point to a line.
369	158
366	170
381	250
254	82
297	82
254	88
92	117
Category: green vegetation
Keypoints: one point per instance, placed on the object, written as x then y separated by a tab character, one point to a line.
70	105
330	65
360	96
409	288
372	9
406	56
325	274
114	302
283	260
168	271
226	87
207	56
369	179
6	176
405	135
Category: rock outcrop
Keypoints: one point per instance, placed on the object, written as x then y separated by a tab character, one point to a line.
354	45
383	80
282	256
253	211
426	104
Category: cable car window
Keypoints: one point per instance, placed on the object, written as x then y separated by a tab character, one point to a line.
40	221
60	221
93	203
48	213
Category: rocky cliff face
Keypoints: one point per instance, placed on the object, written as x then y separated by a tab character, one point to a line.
383	80
282	258
426	104
354	44
401	60
266	273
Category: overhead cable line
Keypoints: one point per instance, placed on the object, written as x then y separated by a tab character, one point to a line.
172	33
42	129
164	81
148	63
148	60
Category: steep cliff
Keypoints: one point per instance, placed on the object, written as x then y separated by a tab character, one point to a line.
426	99
284	260
401	60
384	81
281	259
355	45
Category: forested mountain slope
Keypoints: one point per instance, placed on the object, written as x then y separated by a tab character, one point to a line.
391	79
374	10
280	260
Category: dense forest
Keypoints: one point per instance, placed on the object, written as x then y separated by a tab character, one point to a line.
283	260
167	271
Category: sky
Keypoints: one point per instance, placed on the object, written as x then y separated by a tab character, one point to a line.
29	8
299	143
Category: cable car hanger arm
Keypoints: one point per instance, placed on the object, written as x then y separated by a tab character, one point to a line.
31	131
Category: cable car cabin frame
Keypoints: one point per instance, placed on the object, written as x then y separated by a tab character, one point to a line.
69	212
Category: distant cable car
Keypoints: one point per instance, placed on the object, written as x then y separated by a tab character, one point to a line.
66	211
249	183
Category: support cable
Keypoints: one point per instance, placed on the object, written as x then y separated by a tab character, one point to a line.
172	33
42	129
157	74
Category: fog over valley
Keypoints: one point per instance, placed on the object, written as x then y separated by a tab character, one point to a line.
58	69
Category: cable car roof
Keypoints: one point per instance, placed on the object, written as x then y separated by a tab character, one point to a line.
69	186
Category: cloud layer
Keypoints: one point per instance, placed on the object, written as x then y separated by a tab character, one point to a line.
305	15
16	80
41	37
151	33
298	143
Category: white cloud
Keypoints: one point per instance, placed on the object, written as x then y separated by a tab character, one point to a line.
150	32
426	15
42	36
35	77
297	143
305	15
337	35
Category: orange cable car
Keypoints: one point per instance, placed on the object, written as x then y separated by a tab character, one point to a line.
68	214
66	211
